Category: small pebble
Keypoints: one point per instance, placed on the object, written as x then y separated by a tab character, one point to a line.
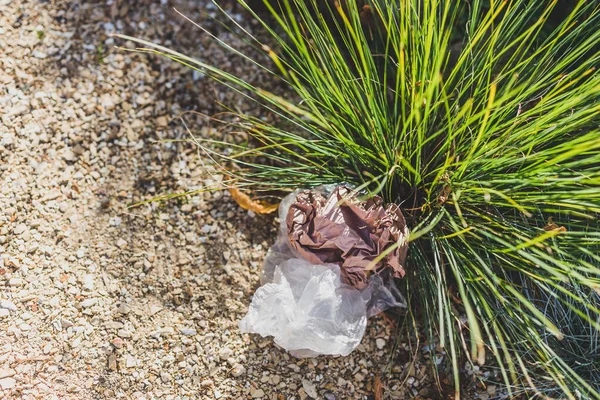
238	370
68	155
112	362
6	372
309	388
131	361
9	305
188	331
88	302
25	327
88	282
19	229
7	383
115	221
165	377
39	54
15	282
124	333
167	330
162	122
207	383
225	353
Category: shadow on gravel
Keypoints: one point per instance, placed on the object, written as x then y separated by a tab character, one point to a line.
170	271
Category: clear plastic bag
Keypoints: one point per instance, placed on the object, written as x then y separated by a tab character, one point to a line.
307	310
306	307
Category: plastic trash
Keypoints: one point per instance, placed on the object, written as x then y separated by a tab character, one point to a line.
312	307
308	310
338	227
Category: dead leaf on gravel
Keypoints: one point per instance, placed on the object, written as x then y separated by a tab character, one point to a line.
378	388
247	203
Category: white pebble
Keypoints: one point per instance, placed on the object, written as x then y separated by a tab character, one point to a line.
167	330
25	327
15	282
88	282
6	372
109	27
81	252
131	361
9	305
188	331
115	221
238	370
7	383
20	229
88	302
165	377
225	353
309	388
124	333
39	54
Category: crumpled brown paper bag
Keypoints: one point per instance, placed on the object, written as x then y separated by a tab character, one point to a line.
341	229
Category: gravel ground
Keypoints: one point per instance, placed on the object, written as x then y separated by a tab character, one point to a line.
102	301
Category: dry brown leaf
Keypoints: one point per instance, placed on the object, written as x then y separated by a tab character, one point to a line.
444	194
390	324
551	226
247	203
378	388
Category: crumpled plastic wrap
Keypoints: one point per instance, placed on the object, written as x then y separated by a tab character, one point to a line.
318	282
308	310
